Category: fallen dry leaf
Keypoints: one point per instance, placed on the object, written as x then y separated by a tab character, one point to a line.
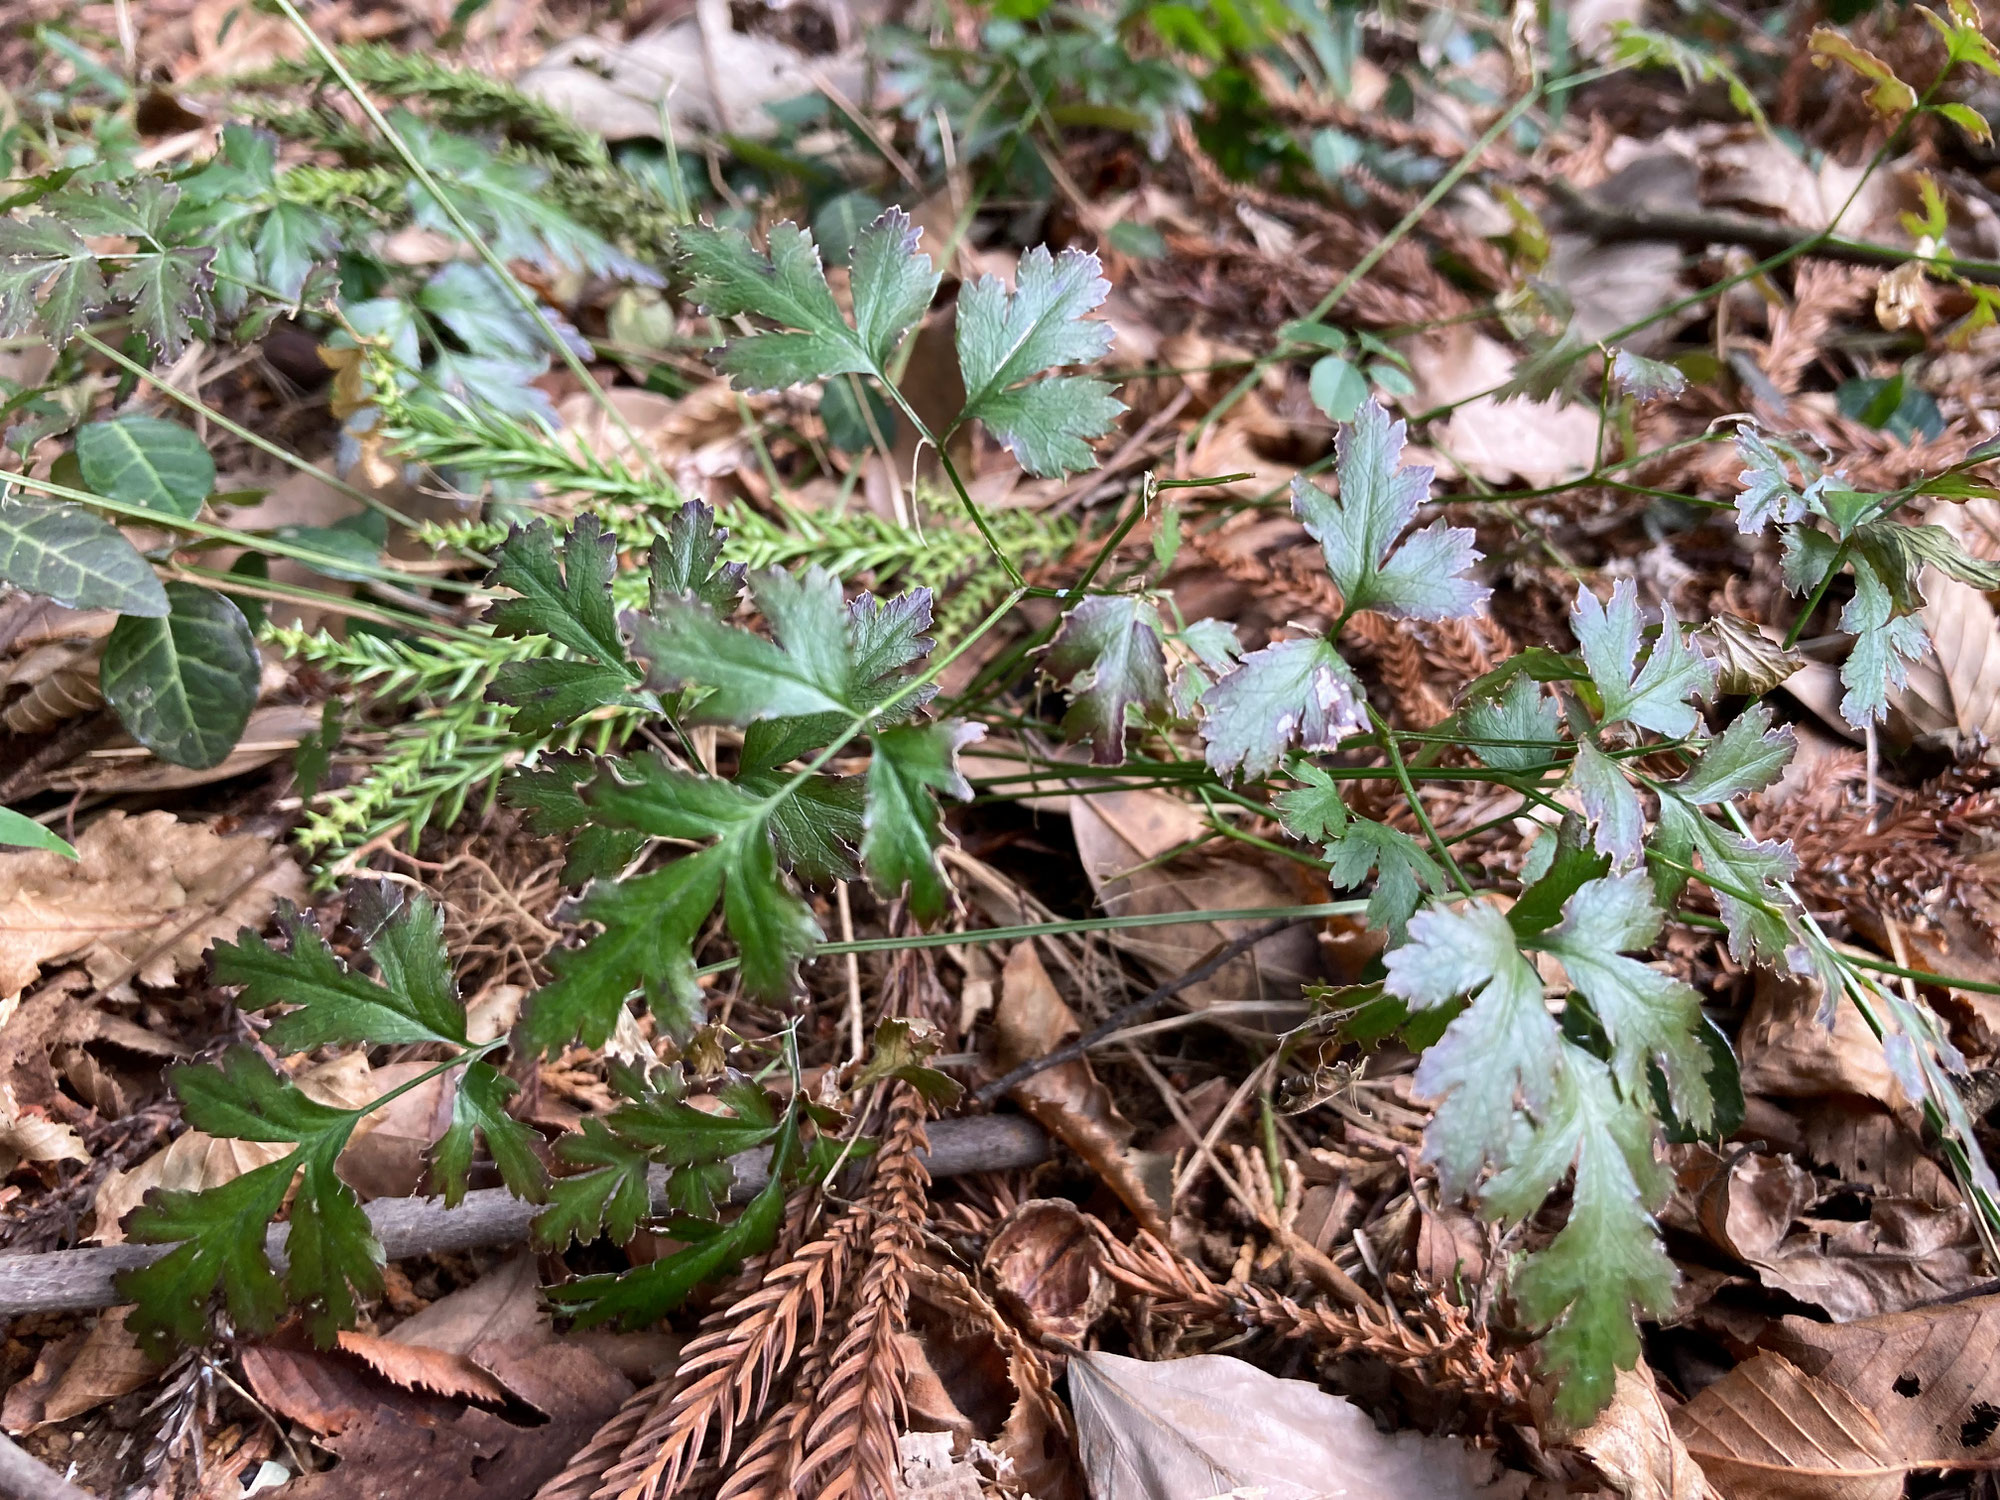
29	1135
1045	1260
1787	1054
1539	442
1118	837
1067	1100
1634	1444
1211	1424
145	897
502	1306
417	1367
107	1366
1769	1431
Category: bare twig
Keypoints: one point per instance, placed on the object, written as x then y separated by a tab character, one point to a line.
23	1477
65	1279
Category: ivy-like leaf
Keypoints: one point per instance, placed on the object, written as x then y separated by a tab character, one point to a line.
76	558
1297	692
1656	696
1607	1260
1006	339
903	828
1109	656
891	281
1423	579
146	461
183	686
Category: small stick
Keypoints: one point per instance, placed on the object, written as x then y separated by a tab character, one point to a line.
1127	1014
24	1477
63	1280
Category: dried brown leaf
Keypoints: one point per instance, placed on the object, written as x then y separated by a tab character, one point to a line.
1634	1443
1046	1260
1769	1431
1067	1100
147	891
1787	1054
417	1368
109	1365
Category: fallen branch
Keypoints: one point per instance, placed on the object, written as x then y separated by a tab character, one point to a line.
24	1477
65	1280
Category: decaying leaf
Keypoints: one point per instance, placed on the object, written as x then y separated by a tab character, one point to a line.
76	1375
1787	1054
1769	1431
1211	1424
1121	835
30	1135
1067	1100
1634	1443
1046	1262
144	898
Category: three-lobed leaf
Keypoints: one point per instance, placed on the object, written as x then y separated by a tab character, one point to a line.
1109	655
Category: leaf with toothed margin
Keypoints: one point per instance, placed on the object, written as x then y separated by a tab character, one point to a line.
1312	811
1654	696
1420	580
891	281
1109	657
1006	339
1295	693
1210	650
1610	802
1885	643
911	764
1404	870
479	1108
1649	1016
1501	1052
687	559
1744	874
1607	1261
1523	712
1746	757
1768	493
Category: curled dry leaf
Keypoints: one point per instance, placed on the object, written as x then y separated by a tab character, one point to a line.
416	1367
1119	835
145	897
1787	1054
1634	1445
1067	1100
1047	1261
1187	1429
79	1374
26	1134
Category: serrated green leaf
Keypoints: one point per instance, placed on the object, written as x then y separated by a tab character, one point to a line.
293	239
675	1133
549	797
1900	554
76	558
1007	338
1610	803
1503	1051
892	285
1314	811
1570	864
1297	692
548	692
1745	875
827	659
687	559
1885	643
1746	757
479	1108
612	1195
1649	1016
46	268
1210	651
218	1239
1656	696
1404	870
1768	494
1378	499
1607	1260
335	1261
1522	712
169	293
334	1006
565	597
903	828
183	686
1109	656
146	461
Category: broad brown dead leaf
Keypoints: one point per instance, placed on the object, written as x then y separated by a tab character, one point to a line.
416	1367
145	897
1119	834
1634	1443
1769	1431
1787	1054
1067	1100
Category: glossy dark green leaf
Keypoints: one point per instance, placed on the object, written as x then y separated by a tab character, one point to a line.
183	686
76	558
146	461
